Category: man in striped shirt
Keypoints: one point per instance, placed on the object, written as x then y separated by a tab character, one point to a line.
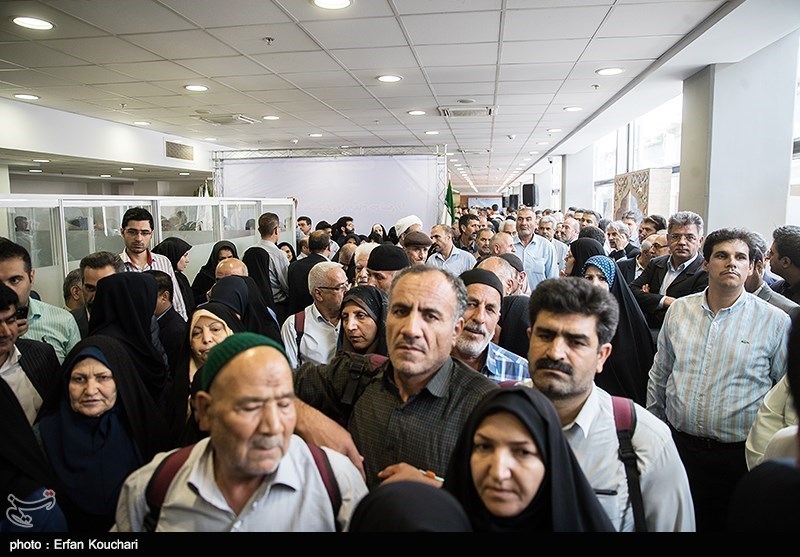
137	230
719	353
474	344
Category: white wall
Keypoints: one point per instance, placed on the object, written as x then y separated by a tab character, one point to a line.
578	179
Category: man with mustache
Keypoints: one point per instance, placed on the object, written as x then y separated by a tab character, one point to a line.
474	345
573	323
719	352
251	474
405	417
94	267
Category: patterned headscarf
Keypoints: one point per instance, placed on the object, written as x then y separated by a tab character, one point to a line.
605	264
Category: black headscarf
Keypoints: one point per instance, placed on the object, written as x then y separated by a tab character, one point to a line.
257	260
206	276
173	248
409	507
92	456
242	295
582	249
291	249
123	308
565	501
627	369
373	301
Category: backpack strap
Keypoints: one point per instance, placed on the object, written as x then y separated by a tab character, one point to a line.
329	479
625	421
159	483
299	327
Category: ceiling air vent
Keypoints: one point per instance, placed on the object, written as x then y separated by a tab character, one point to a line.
467	112
179	151
228	119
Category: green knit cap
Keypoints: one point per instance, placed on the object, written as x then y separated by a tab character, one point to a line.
228	349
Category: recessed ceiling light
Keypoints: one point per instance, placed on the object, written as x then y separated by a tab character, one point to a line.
315	135
41	160
272	117
389	78
573	108
458	165
432	133
331	4
449	154
542	143
183	174
26	97
35	170
33	23
141	123
609	71
416	112
466	101
209	139
126	168
105	175
196	88
344	146
527	159
553	130
453	160
533	152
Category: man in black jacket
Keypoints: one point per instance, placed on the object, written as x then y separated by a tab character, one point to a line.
299	298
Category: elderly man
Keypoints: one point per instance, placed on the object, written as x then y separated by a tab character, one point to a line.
405	225
511	330
93	267
474	345
361	257
547	230
537	254
619	240
137	231
447	255
311	335
404	418
670	277
37	320
416	244
570	229
573	323
630	269
252	474
483	243
384	262
719	352
589	217
502	242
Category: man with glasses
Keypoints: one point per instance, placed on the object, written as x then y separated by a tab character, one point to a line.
137	231
672	276
311	335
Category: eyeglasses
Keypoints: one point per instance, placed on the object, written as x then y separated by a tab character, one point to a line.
658	246
691	238
343	287
134	232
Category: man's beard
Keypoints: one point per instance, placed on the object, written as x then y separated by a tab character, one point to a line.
470	348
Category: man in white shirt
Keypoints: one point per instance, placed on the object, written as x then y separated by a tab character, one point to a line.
269	227
313	336
447	255
537	254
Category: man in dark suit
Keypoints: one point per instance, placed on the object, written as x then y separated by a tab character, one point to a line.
672	276
93	267
172	329
632	268
755	283
299	297
619	240
784	261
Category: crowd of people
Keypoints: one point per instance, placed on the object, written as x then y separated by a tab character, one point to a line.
525	370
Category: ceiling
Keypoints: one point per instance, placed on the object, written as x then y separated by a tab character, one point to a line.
527	60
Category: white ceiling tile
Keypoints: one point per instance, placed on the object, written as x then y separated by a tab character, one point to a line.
462	74
553	23
280	95
90	75
322	79
480	100
308	107
154	71
116	104
297	61
528	87
607	83
445	6
586	70
33	55
65	25
524	100
339	93
255	82
469	90
178	102
124	16
356	33
409	75
79	92
400	90
224	66
250	39
137	89
633	48
663	18
356	105
469	28
372	58
102	50
303	10
458	55
182	44
526	52
32	78
212	13
530	72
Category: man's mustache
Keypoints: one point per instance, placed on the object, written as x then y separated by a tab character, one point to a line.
547	363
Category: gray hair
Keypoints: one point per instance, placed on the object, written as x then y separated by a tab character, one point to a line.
456	283
318	276
365	249
620	227
547	218
73	278
685	218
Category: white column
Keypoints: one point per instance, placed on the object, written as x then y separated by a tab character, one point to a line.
578	179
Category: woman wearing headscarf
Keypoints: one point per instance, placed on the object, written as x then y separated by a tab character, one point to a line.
242	296
102	426
579	251
513	470
209	325
363	321
123	308
627	369
257	260
177	251
379	233
206	276
288	249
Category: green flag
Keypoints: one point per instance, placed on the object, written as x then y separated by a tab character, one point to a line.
449	201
